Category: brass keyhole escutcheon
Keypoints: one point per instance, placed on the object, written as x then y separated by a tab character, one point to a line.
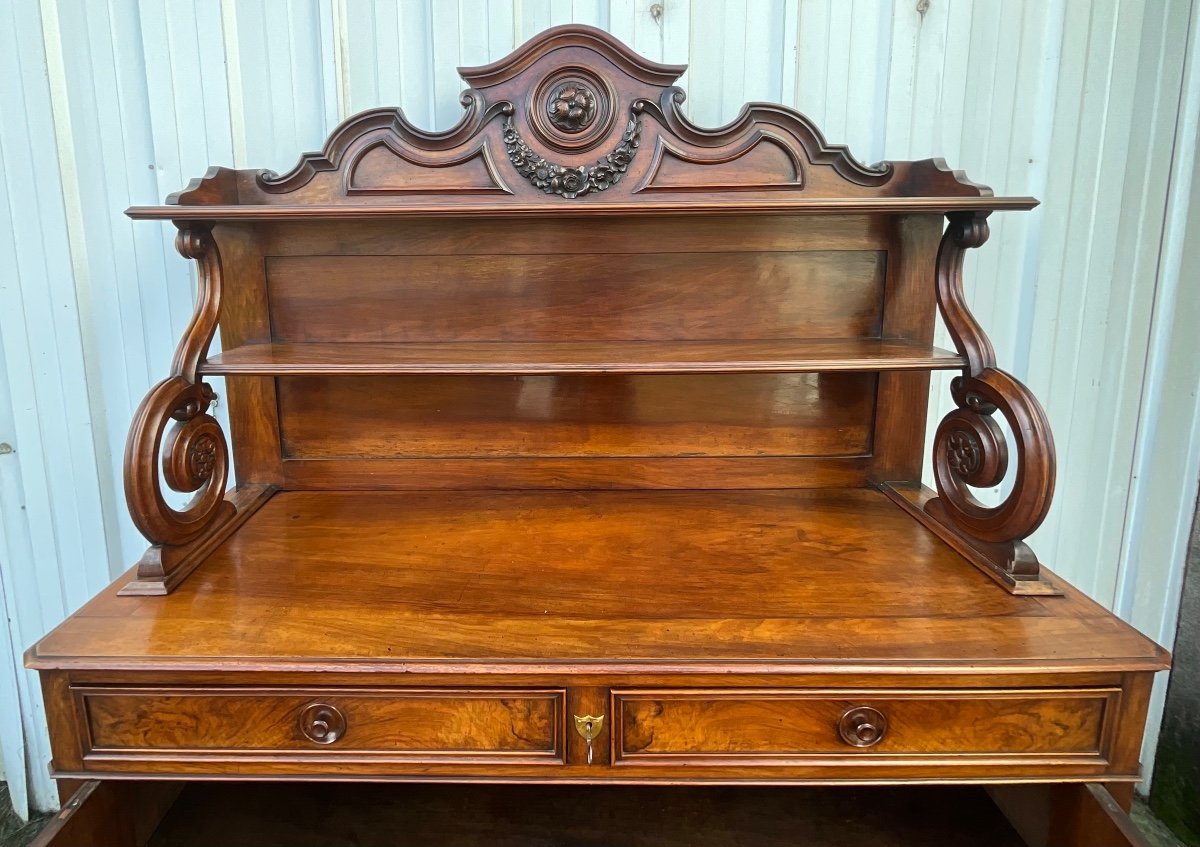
862	726
589	727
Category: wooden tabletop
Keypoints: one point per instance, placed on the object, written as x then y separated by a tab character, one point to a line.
831	578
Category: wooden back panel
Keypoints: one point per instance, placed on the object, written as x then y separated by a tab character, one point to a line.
659	296
708	279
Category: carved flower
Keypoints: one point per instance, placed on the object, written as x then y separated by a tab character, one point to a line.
963	453
202	458
620	158
574	181
603	176
572	107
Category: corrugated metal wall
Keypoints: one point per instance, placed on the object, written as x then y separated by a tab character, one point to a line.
1089	105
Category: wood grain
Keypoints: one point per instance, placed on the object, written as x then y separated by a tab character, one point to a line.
1070	815
563	416
693	205
563	357
801	579
716	726
605	235
609	235
576	296
96	814
253	419
570	473
410	723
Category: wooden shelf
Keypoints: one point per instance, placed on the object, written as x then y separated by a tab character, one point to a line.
783	206
583	357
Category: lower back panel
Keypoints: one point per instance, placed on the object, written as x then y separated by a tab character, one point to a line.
585	416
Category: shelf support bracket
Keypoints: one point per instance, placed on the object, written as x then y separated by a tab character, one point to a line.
970	449
194	452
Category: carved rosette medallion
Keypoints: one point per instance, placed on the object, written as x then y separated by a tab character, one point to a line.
963	452
572	107
202	457
572	182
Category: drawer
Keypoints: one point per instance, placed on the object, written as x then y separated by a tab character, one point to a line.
748	727
439	725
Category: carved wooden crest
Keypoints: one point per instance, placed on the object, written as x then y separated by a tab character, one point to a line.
574	116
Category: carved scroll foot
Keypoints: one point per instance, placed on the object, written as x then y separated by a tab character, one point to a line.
969	451
162	567
1012	564
1010	558
173	422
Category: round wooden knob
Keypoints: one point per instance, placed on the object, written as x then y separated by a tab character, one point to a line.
322	723
862	726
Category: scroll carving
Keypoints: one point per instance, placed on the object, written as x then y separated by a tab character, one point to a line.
195	459
969	447
388	124
173	422
752	123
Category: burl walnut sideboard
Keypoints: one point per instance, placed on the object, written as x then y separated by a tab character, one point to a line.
576	447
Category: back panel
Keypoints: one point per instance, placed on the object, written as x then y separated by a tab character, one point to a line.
613	280
577	296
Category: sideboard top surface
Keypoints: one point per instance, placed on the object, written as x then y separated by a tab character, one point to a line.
710	580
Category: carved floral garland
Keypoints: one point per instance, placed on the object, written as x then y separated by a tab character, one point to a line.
572	182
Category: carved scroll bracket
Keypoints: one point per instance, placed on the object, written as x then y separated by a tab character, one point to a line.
173	422
970	449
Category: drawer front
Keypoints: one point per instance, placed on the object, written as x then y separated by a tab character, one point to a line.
442	725
748	727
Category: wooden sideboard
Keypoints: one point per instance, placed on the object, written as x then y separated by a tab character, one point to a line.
578	444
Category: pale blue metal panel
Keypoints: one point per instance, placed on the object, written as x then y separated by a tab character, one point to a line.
736	55
100	100
282	82
54	534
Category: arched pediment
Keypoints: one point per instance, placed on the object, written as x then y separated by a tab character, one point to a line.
573	118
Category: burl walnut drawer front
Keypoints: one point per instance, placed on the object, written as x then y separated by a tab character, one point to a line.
764	726
518	726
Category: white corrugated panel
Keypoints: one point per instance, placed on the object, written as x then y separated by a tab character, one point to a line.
107	104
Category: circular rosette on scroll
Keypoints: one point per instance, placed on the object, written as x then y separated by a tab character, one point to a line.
195	458
969	450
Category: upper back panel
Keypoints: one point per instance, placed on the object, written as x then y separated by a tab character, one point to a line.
680	282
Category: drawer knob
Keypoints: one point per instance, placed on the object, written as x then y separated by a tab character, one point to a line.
862	726
322	723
